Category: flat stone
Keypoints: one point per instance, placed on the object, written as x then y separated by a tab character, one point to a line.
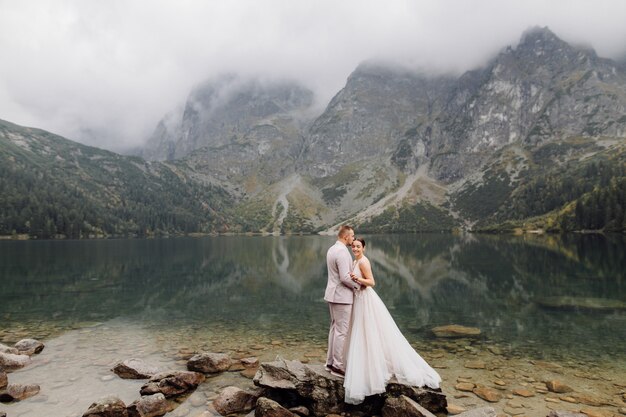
557	386
479	412
563	413
403	406
209	363
455	409
248	373
465	386
134	369
250	362
269	408
487	394
499	382
18	392
455	330
29	346
523	393
591	400
107	407
475	365
597	412
236	367
571	400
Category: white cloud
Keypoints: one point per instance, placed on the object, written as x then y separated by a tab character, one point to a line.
115	67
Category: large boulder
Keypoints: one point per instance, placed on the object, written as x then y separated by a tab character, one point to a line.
149	406
18	392
235	400
4	380
134	369
209	363
10	362
29	346
107	407
173	383
324	394
403	406
269	408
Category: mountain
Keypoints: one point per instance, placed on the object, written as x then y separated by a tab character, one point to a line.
53	187
535	139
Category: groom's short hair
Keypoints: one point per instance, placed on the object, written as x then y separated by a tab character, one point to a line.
343	230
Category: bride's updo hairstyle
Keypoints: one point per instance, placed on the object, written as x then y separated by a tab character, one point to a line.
360	239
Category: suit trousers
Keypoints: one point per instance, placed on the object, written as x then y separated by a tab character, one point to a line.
339	329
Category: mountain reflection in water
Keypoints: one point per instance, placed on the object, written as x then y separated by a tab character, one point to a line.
276	285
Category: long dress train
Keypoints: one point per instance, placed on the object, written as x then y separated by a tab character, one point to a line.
377	350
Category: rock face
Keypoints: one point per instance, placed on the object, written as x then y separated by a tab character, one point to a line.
403	406
455	330
10	362
268	408
296	383
234	400
209	363
134	369
18	392
149	406
29	346
172	384
107	407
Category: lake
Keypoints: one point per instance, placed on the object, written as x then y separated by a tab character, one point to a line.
542	298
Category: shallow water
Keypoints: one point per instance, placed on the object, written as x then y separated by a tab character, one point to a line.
98	302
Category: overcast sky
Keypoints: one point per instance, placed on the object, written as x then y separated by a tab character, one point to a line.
105	72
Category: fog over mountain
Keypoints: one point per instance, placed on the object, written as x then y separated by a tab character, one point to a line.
105	73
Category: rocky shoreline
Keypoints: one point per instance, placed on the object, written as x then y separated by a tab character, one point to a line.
479	379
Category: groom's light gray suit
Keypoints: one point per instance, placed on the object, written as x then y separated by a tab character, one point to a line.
340	296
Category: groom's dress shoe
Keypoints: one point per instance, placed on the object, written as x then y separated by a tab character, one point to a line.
337	372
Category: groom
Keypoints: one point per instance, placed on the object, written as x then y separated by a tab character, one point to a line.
339	296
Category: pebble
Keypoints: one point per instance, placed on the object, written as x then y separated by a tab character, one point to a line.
464	386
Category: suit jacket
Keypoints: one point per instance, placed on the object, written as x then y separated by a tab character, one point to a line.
340	286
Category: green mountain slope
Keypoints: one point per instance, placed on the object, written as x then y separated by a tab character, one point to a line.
53	187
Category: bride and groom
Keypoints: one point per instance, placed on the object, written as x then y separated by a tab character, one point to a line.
365	345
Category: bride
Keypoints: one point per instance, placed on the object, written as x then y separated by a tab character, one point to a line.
377	350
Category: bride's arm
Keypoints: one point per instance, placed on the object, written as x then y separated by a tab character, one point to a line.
366	271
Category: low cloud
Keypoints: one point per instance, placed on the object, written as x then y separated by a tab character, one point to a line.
105	72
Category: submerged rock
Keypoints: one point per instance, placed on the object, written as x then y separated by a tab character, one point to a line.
324	394
7	349
455	330
18	392
209	363
558	387
10	362
29	346
479	412
134	369
173	383
582	303
235	400
149	406
107	407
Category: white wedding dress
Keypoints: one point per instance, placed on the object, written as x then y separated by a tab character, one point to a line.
377	351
